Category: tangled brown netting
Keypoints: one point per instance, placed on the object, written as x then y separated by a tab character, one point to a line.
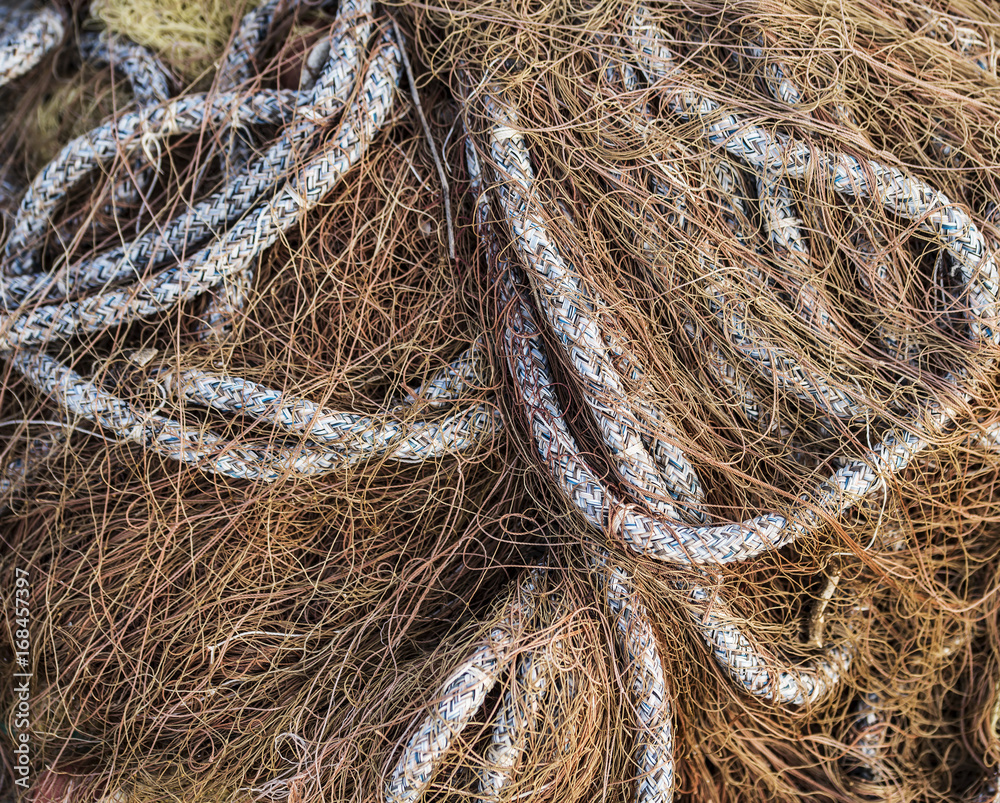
201	639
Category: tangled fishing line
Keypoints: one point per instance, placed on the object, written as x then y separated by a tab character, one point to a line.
607	411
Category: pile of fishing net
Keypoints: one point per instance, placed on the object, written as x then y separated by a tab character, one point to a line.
477	401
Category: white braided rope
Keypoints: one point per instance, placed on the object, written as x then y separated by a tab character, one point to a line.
237	69
25	37
470	370
729	302
150	84
205	218
976	44
850	176
124	136
644	670
399	437
746	663
246	239
867	739
653	537
147	77
327	92
513	725
871	249
750	668
869	241
462	695
348	435
361	437
156	433
238	62
17	472
569	307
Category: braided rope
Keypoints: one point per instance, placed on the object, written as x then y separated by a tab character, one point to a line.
125	135
348	434
322	450
413	441
518	713
325	94
651	422
216	212
653	707
851	176
238	63
245	240
17	472
674	542
470	370
462	695
569	308
978	46
150	86
868	731
775	362
161	435
147	77
744	660
869	241
738	654
750	668
672	203
724	542
870	246
25	37
729	304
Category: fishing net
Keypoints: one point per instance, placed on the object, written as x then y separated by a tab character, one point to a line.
617	422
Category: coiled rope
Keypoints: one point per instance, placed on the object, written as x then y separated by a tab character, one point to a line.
189	258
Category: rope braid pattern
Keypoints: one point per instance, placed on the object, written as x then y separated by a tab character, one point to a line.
747	664
909	197
739	655
752	669
653	708
17	472
514	722
903	195
26	36
869	725
462	695
150	86
125	135
244	241
348	435
331	440
238	62
147	77
227	299
735	652
674	541
867	765
569	310
323	96
164	436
